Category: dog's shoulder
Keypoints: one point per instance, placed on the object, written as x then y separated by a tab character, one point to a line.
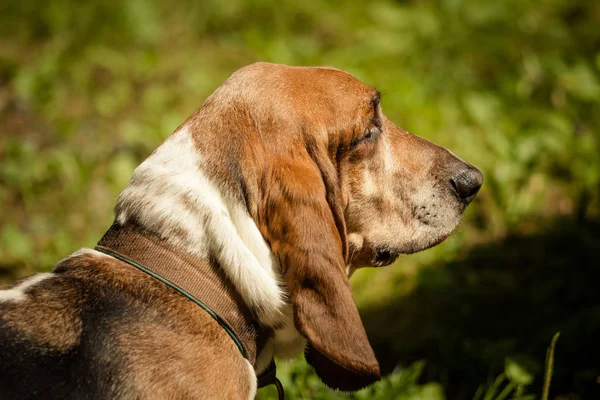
49	341
97	327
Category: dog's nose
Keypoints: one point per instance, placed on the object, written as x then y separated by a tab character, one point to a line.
467	183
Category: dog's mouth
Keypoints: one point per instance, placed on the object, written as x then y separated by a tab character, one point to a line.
384	257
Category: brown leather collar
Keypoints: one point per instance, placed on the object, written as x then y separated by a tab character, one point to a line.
197	278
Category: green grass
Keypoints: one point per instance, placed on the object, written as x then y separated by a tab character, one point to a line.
88	90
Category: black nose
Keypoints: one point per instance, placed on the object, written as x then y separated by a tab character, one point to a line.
467	183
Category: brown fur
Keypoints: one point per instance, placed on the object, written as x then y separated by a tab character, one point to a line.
298	146
291	144
144	339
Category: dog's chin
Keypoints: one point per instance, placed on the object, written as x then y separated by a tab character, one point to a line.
426	243
386	256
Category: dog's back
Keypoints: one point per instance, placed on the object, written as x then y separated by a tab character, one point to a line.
50	346
98	328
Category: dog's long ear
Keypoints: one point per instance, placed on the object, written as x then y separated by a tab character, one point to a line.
301	217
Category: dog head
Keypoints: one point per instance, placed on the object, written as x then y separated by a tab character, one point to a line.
306	159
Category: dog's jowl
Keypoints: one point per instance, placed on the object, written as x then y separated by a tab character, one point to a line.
233	244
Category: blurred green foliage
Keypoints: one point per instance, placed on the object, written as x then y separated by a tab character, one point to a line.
88	89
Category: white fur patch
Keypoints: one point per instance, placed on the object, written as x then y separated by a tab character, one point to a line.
263	359
17	293
388	158
369	187
86	251
253	382
169	194
286	343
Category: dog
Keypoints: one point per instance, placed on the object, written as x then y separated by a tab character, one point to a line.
233	244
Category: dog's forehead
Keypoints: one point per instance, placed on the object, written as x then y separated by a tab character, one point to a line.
322	82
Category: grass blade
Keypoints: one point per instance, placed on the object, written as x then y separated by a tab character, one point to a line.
549	366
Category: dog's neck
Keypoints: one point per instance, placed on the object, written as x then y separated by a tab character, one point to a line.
172	194
197	278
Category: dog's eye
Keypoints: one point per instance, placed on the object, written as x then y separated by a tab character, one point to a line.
370	135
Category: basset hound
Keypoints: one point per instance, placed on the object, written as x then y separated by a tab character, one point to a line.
233	244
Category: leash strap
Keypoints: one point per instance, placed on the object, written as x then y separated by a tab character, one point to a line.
199	281
183	292
193	277
269	377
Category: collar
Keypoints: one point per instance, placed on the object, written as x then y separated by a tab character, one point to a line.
196	278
